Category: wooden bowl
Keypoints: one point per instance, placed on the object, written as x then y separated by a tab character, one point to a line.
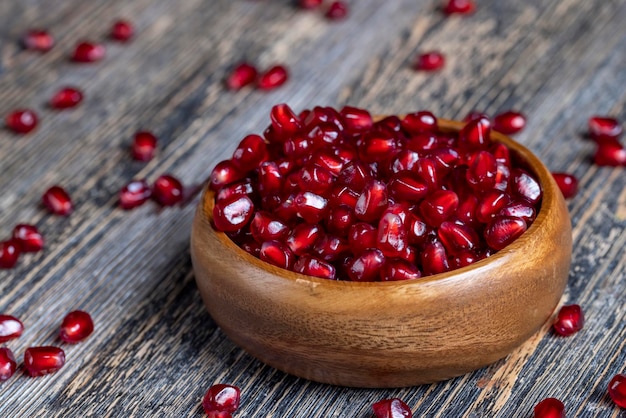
388	334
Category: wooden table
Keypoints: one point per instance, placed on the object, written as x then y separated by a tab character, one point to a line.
155	350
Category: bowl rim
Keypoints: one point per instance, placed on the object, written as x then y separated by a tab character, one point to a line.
534	165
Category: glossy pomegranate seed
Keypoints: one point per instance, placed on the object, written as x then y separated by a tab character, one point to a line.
377	146
434	258
242	75
315	267
57	201
490	204
439	207
122	30
167	190
399	269
8	365
265	227
525	186
549	408
407	186
309	4
569	320
604	128
362	236
38	40
143	146
66	98
610	153
331	248
355	175
519	210
10	328
310	206
232	214
76	326
250	153
465	258
29	238
462	7
617	390
134	194
392	408
419	122
372	202
475	134
481	174
273	78
337	10
392	237
426	168
456	237
225	172
9	253
277	253
509	122
88	52
340	219
221	397
503	230
21	121
219	414
366	267
284	120
303	237
356	119
39	361
473	115
568	184
430	61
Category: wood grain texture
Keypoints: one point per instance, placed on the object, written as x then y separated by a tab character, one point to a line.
156	350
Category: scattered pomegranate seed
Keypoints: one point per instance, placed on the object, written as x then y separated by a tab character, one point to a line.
309	4
29	238
617	390
610	153
58	201
392	408
66	98
509	122
337	10
463	7
242	75
275	77
122	30
568	184
134	194
10	328
39	361
76	326
9	253
144	146
219	414
38	40
167	190
21	121
88	52
430	61
549	408
8	365
604	128
569	320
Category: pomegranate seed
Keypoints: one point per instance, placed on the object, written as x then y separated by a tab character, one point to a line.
439	207
219	414
392	237
8	365
167	190
88	52
221	398
426	168
366	267
340	219
76	326
377	146
39	361
569	320
526	186
568	184
21	121
134	194
252	247
284	120
610	153
66	98
434	258
549	408
473	115
277	253
456	237
58	201
29	238
392	408
242	75
122	30
405	160
10	328
519	210
399	269
503	230
509	122
250	153
303	237
275	77
9	253
490	204
265	227
362	236
466	211
143	147
475	134
372	201
38	40
311	207
420	122
309	4
407	186
481	174
465	258
430	61
330	248
327	161
355	175
232	214
462	7
617	390
356	120
225	172
315	267
337	10
604	128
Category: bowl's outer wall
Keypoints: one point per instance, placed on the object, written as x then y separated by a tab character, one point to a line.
388	334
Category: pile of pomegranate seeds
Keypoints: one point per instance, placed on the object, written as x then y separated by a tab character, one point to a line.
245	74
549	408
38	40
66	98
122	31
57	201
617	390
336	195
220	401
462	7
606	132
392	408
430	61
21	121
569	320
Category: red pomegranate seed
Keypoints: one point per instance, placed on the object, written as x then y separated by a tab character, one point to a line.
465	258
9	253
475	134
8	365
377	146
439	207
430	61
549	408
372	201
420	122
331	248
617	390
76	326
134	194
474	114
503	230
366	267
275	77
526	186
29	238
481	174
315	267
242	75
610	153
58	201
264	227
509	122
569	320
303	237
224	173
392	408
519	210
490	204
240	188
167	190
392	237
38	40
356	119
224	398
88	52
434	258
355	175
250	153
231	215
219	414
309	4
466	211
568	184
407	186
310	206
462	7
66	98
604	128
122	30
10	328
456	237
144	145
21	121
39	361
399	269
340	219
337	10
362	236
284	120
277	253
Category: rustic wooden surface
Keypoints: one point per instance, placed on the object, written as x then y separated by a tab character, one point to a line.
156	350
